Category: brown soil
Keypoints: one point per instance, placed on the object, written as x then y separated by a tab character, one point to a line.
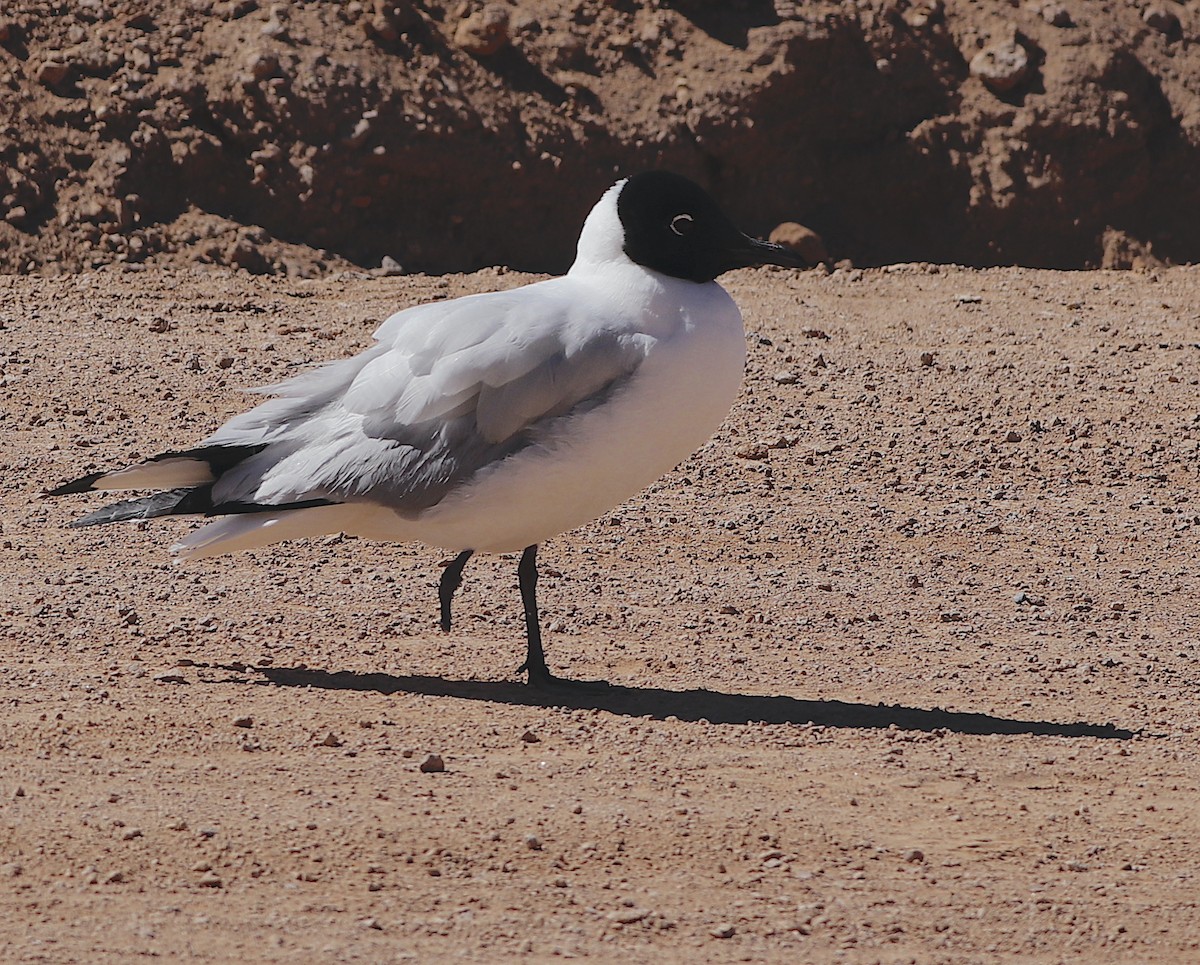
295	137
906	655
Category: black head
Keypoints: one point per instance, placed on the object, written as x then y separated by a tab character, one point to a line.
672	226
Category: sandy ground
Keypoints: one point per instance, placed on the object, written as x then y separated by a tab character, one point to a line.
905	655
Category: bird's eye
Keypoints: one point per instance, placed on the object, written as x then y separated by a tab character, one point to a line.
681	224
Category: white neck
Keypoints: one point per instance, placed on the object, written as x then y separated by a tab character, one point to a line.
602	240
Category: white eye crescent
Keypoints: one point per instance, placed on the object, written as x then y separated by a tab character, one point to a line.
681	224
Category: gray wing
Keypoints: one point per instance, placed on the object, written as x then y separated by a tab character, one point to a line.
450	388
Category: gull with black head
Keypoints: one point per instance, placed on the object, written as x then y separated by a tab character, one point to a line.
491	422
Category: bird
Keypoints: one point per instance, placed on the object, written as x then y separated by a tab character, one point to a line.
492	422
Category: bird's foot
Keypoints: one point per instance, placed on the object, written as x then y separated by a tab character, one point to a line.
542	679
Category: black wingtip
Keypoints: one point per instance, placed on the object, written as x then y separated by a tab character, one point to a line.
84	484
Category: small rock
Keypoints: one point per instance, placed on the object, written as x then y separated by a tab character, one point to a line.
1163	19
331	740
11	870
388	266
372	923
433	764
913	856
533	842
723	931
52	73
1001	66
114	877
629	916
753	451
529	737
275	27
1013	436
1076	866
210	880
130	833
262	64
963	299
786	377
19	792
243	722
392	19
483	33
927	359
802	240
1056	14
169	678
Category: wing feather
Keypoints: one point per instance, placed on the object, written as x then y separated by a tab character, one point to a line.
448	389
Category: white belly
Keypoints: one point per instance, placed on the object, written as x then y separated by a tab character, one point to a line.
593	461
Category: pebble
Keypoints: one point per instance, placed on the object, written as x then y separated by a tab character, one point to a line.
483	33
927	359
169	678
913	855
723	931
433	764
803	240
130	833
210	880
391	19
533	842
262	64
529	737
1001	66
388	267
331	740
51	73
1056	14
629	916
243	722
1162	19
786	377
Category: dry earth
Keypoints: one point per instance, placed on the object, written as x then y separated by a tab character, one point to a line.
905	657
293	136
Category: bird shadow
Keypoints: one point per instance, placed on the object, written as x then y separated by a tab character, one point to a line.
713	706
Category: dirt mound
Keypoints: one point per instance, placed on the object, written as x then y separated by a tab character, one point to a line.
296	136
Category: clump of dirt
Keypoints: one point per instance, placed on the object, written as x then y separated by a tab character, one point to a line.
295	137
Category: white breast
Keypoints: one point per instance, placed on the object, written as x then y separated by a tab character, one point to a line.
597	459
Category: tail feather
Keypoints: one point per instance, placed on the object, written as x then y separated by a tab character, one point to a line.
186	478
186	468
173	502
235	533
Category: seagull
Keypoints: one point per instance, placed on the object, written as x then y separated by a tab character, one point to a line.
492	422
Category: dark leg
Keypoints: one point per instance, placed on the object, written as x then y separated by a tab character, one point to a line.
451	581
535	659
